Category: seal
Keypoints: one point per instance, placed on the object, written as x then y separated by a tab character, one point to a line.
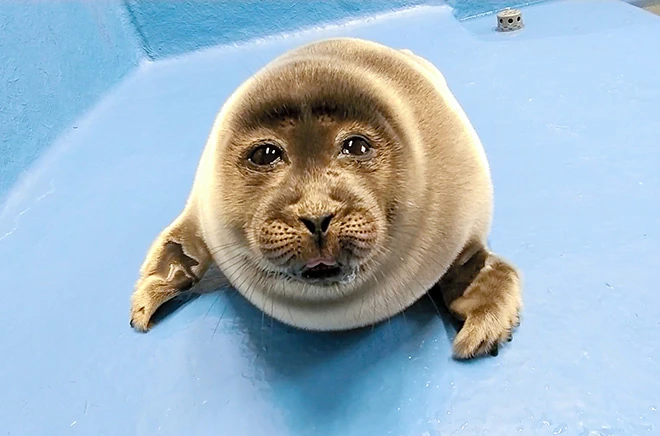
338	185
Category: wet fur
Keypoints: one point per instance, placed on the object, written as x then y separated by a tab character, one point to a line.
416	215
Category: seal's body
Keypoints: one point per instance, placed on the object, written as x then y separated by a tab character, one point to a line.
338	185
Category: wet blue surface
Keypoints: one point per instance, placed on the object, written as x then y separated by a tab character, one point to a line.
464	9
567	111
56	58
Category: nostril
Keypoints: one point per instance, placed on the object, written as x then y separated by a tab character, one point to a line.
319	224
325	222
311	226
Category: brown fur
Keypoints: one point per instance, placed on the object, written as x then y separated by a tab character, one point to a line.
417	212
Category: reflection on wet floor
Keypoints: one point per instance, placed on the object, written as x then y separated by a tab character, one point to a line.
654	8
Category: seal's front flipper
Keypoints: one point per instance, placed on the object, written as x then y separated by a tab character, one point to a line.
485	293
176	261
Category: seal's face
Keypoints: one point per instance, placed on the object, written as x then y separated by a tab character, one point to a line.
313	187
314	184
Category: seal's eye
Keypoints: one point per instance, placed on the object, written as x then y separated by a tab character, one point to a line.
265	154
356	146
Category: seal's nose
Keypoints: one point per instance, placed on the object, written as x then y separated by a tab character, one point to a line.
317	225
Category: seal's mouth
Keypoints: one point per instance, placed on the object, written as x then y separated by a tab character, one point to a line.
322	270
321	273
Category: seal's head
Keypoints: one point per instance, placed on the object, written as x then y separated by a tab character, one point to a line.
311	163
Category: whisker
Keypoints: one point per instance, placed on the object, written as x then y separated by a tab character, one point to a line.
217	248
403	313
230	263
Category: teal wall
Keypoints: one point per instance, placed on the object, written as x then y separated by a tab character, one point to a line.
170	28
56	58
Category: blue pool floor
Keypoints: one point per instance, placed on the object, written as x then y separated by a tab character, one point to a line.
568	113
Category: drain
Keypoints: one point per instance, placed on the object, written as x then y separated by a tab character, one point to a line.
509	20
